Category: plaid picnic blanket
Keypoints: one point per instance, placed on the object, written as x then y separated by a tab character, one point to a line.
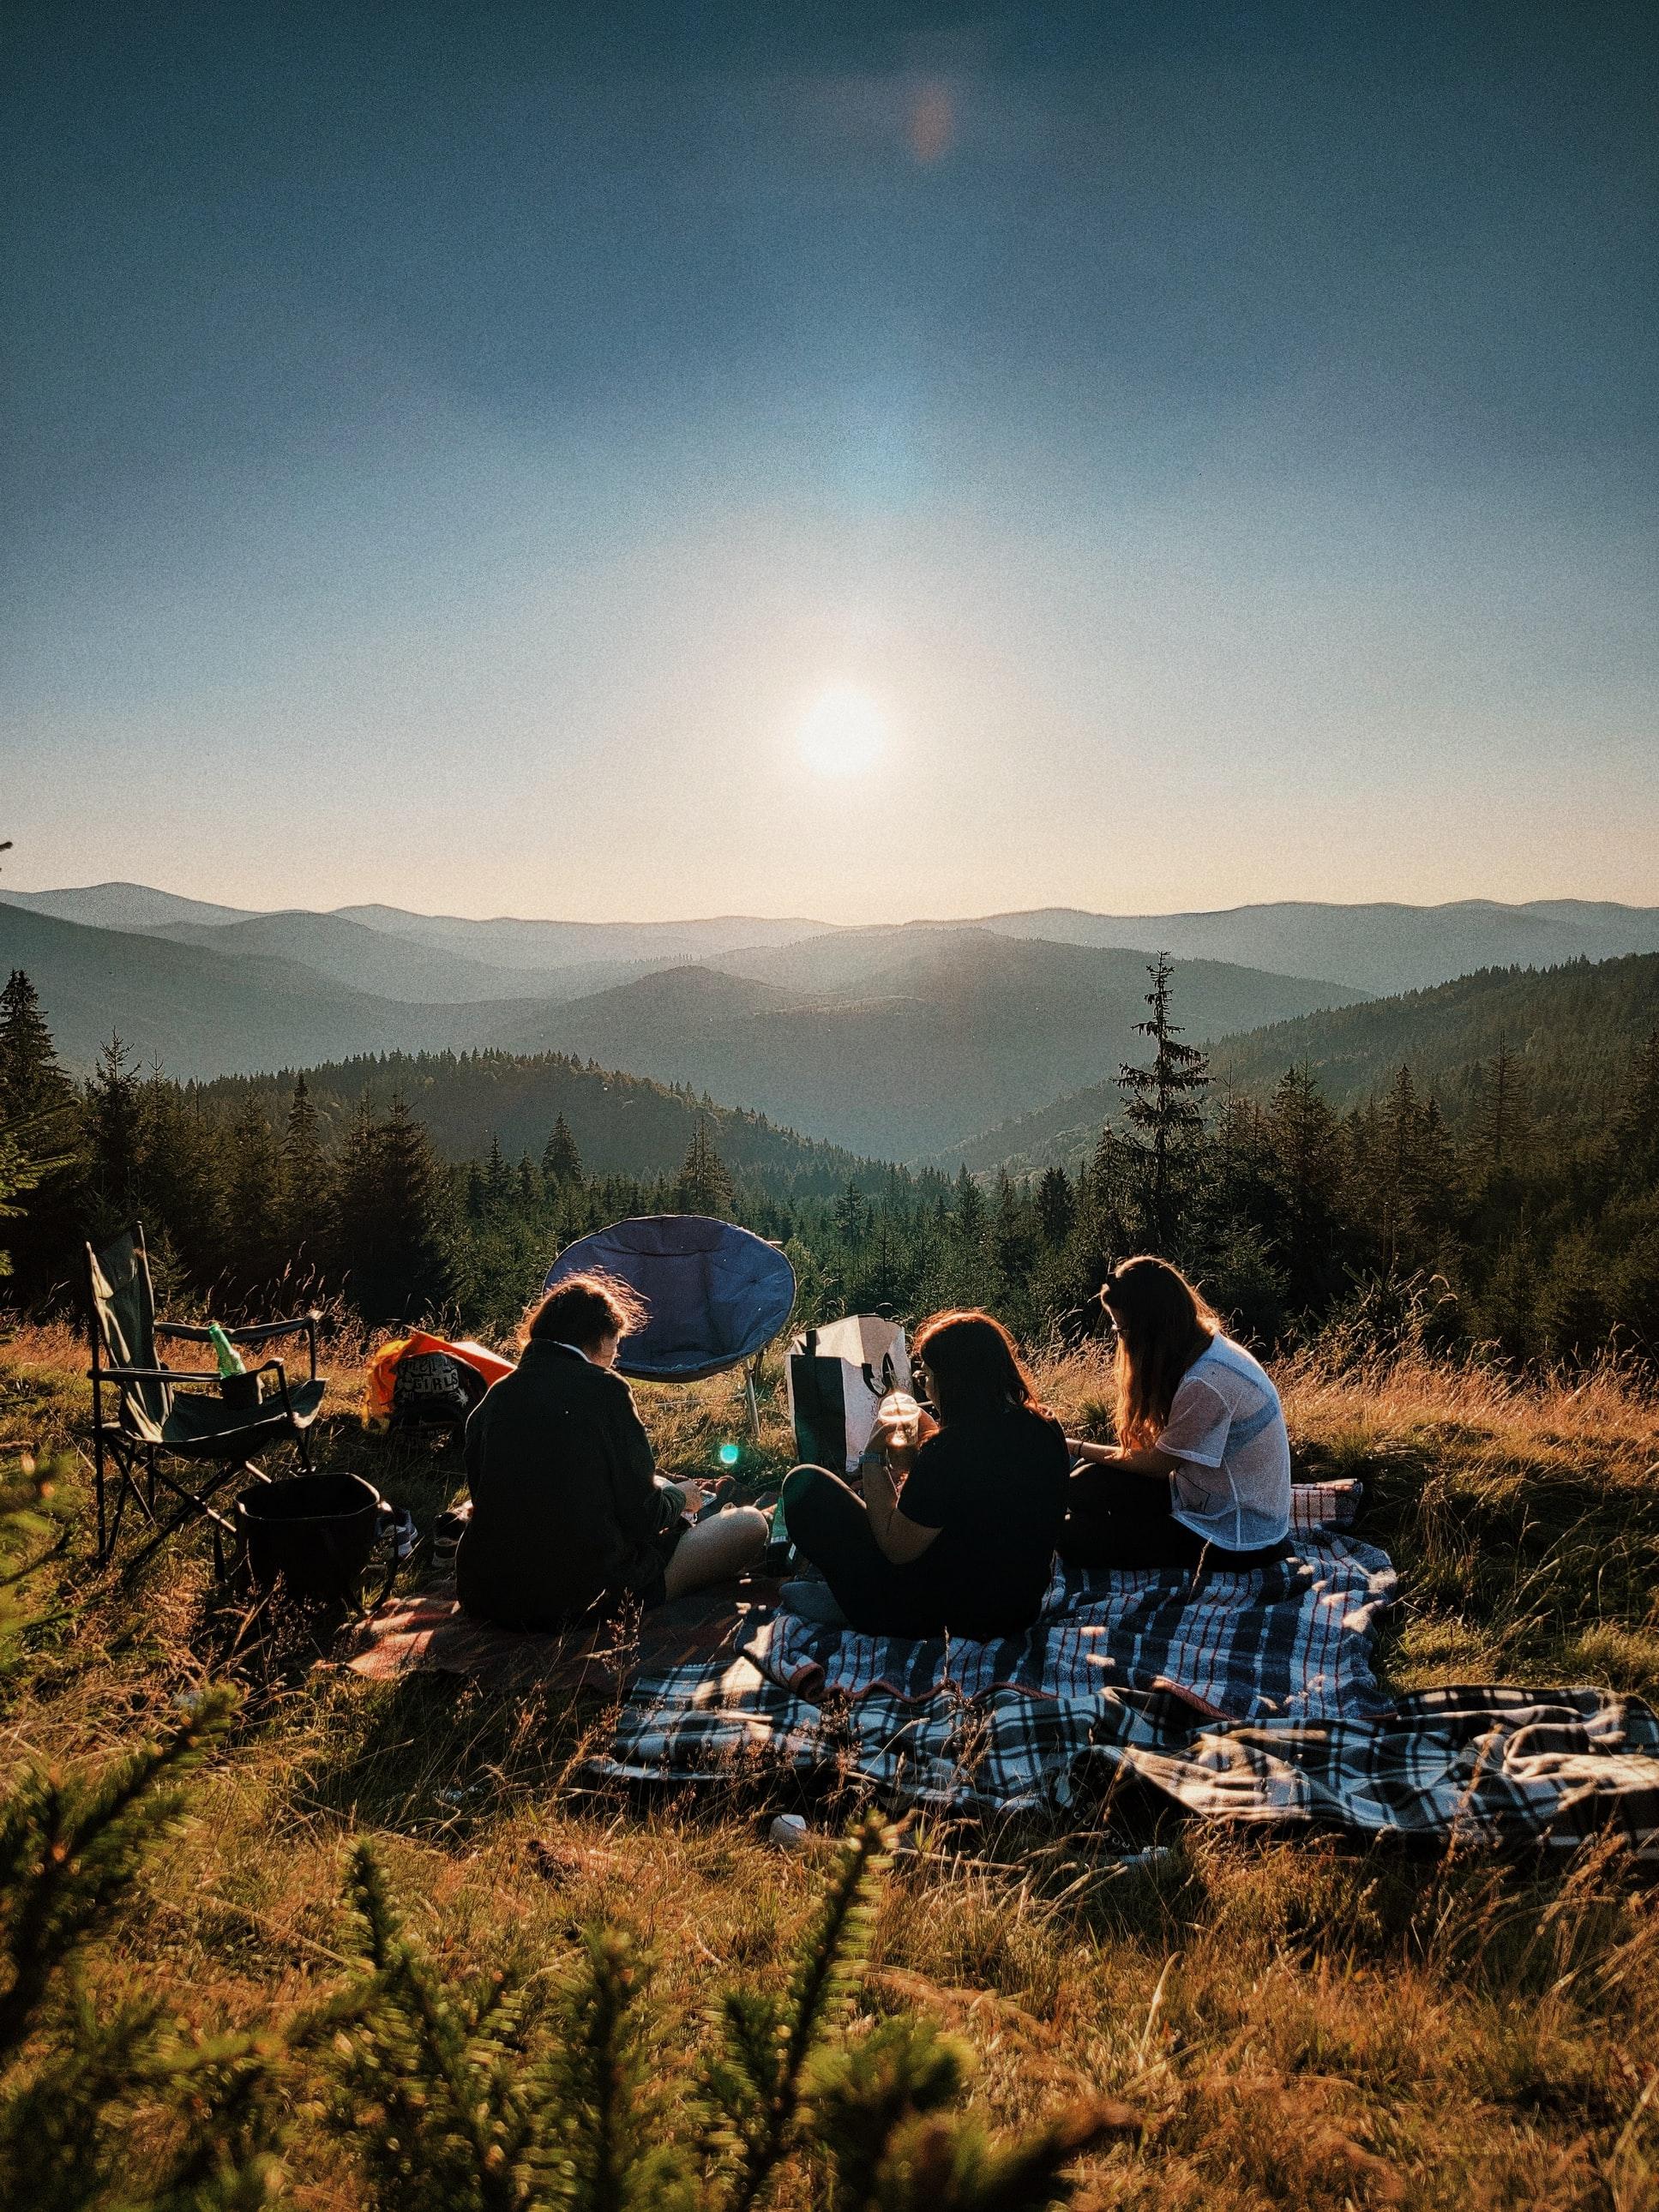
1247	1697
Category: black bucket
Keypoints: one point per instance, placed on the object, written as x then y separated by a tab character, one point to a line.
316	1534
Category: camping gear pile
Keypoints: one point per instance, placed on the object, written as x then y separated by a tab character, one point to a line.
424	1381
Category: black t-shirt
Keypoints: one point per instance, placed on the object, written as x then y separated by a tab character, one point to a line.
995	1488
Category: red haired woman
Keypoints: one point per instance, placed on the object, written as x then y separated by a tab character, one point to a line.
569	1517
1201	1468
953	1529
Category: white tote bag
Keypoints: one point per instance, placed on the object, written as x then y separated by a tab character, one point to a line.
837	1376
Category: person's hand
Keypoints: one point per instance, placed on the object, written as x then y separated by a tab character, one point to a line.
1096	1455
898	1439
695	1494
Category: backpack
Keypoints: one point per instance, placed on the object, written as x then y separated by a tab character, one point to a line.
430	1388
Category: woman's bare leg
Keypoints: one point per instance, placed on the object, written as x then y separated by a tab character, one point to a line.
717	1550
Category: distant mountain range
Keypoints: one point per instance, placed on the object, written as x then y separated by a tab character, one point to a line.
899	1041
1379	948
917	1038
1572	1031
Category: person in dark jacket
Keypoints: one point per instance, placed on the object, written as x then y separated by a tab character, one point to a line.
954	1524
569	1517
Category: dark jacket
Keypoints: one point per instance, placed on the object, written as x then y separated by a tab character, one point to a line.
564	1506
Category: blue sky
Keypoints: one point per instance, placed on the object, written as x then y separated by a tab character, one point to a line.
453	453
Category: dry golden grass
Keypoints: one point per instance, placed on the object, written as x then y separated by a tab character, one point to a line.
1305	2022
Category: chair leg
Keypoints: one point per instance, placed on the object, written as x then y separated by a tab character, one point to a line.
98	1489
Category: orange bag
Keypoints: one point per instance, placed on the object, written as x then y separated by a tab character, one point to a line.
380	1380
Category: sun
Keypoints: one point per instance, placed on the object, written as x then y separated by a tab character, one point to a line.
843	732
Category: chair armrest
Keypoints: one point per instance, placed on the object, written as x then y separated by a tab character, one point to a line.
256	1333
152	1374
262	1332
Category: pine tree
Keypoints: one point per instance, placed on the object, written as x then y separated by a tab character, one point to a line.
852	1218
1398	1167
181	1178
1056	1205
406	1266
307	1180
497	1178
32	1082
41	1140
113	1133
1161	1106
1011	1240
561	1164
1498	1127
704	1186
253	1199
968	1211
1634	1138
1304	1172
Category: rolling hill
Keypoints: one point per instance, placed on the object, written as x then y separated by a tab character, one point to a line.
1572	1030
203	1014
905	1042
622	1124
391	967
1380	948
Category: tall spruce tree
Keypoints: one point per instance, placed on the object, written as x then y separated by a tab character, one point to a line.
704	1185
40	1113
562	1163
1056	1205
1304	1174
181	1178
1161	1105
112	1128
395	1245
253	1199
32	1082
308	1199
497	1178
1499	1120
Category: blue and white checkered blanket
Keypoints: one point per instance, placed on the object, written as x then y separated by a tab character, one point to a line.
1247	1697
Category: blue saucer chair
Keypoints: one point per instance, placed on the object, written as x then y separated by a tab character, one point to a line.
717	1294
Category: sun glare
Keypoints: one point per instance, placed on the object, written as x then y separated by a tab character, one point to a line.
843	732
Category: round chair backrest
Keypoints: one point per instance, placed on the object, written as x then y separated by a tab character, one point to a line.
716	1293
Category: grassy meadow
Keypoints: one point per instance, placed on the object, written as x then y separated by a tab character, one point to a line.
1298	2020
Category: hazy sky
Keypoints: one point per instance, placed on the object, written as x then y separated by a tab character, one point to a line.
922	460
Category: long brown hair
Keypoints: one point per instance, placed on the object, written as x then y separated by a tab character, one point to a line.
585	1309
973	1365
1163	1325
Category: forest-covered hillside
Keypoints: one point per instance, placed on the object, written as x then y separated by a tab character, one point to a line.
1570	1032
622	1124
1508	1232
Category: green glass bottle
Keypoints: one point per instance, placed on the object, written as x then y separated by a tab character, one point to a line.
230	1360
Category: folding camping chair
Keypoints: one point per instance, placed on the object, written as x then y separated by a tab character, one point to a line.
178	1414
717	1295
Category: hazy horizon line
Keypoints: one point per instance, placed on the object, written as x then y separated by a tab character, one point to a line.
348	908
